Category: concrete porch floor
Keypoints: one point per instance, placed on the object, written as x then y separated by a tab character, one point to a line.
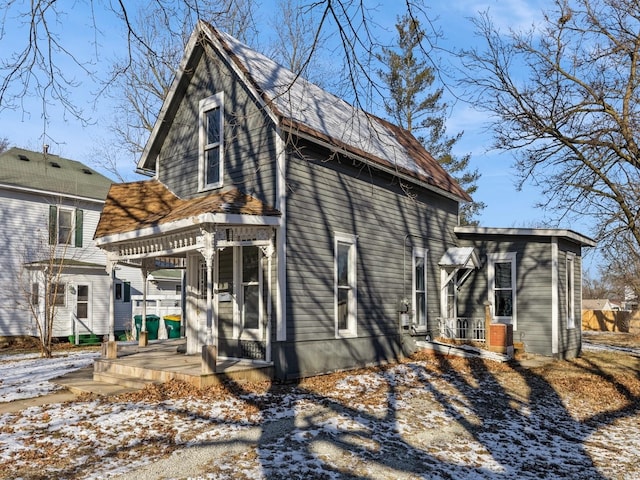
162	360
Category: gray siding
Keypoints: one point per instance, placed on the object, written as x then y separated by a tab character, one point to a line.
534	307
249	135
331	194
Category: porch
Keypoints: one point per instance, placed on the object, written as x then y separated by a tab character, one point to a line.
164	360
463	329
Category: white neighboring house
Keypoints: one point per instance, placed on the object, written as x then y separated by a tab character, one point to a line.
49	209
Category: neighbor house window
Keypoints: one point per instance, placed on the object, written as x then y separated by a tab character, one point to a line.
420	288
345	291
570	293
123	291
35	293
211	142
502	287
57	294
65	226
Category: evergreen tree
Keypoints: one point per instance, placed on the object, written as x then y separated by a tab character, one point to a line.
414	107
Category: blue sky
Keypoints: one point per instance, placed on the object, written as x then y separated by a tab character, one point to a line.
506	206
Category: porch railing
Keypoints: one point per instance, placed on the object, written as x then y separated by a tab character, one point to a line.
462	328
160	305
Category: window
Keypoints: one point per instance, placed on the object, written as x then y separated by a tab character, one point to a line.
345	285
65	226
570	293
250	288
123	292
57	294
82	304
420	288
502	287
35	293
126	294
211	142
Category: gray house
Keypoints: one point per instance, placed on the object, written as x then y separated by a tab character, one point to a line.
311	232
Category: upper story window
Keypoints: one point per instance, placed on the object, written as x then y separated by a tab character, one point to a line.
65	226
211	142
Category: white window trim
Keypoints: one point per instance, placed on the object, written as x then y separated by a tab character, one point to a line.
247	333
88	319
570	295
492	259
419	253
65	285
352	320
205	105
72	232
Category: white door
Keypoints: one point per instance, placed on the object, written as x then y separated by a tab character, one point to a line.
83	308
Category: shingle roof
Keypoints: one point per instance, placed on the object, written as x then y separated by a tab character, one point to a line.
51	173
307	109
136	205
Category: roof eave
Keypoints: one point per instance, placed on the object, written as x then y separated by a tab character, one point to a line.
187	223
319	138
532	232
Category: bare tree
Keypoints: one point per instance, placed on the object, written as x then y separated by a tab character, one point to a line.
46	64
564	99
294	27
140	79
4	144
42	283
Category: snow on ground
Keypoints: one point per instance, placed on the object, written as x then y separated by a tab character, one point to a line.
27	375
404	421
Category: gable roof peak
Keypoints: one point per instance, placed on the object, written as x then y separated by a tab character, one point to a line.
308	111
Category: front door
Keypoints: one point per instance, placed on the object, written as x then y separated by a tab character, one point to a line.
83	308
240	305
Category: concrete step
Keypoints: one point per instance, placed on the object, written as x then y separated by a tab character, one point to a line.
122	380
81	382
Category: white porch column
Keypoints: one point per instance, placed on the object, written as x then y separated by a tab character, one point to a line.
268	254
111	270
143	336
208	252
111	350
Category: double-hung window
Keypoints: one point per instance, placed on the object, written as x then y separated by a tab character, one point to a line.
211	142
345	291
502	287
65	226
58	294
420	288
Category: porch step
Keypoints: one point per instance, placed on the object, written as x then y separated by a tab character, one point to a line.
132	373
122	380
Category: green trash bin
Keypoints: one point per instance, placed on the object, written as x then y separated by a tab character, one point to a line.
153	323
172	324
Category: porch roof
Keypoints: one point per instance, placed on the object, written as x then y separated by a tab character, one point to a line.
137	205
460	257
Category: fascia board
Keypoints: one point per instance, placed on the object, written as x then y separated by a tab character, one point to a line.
531	232
51	193
230	219
374	164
